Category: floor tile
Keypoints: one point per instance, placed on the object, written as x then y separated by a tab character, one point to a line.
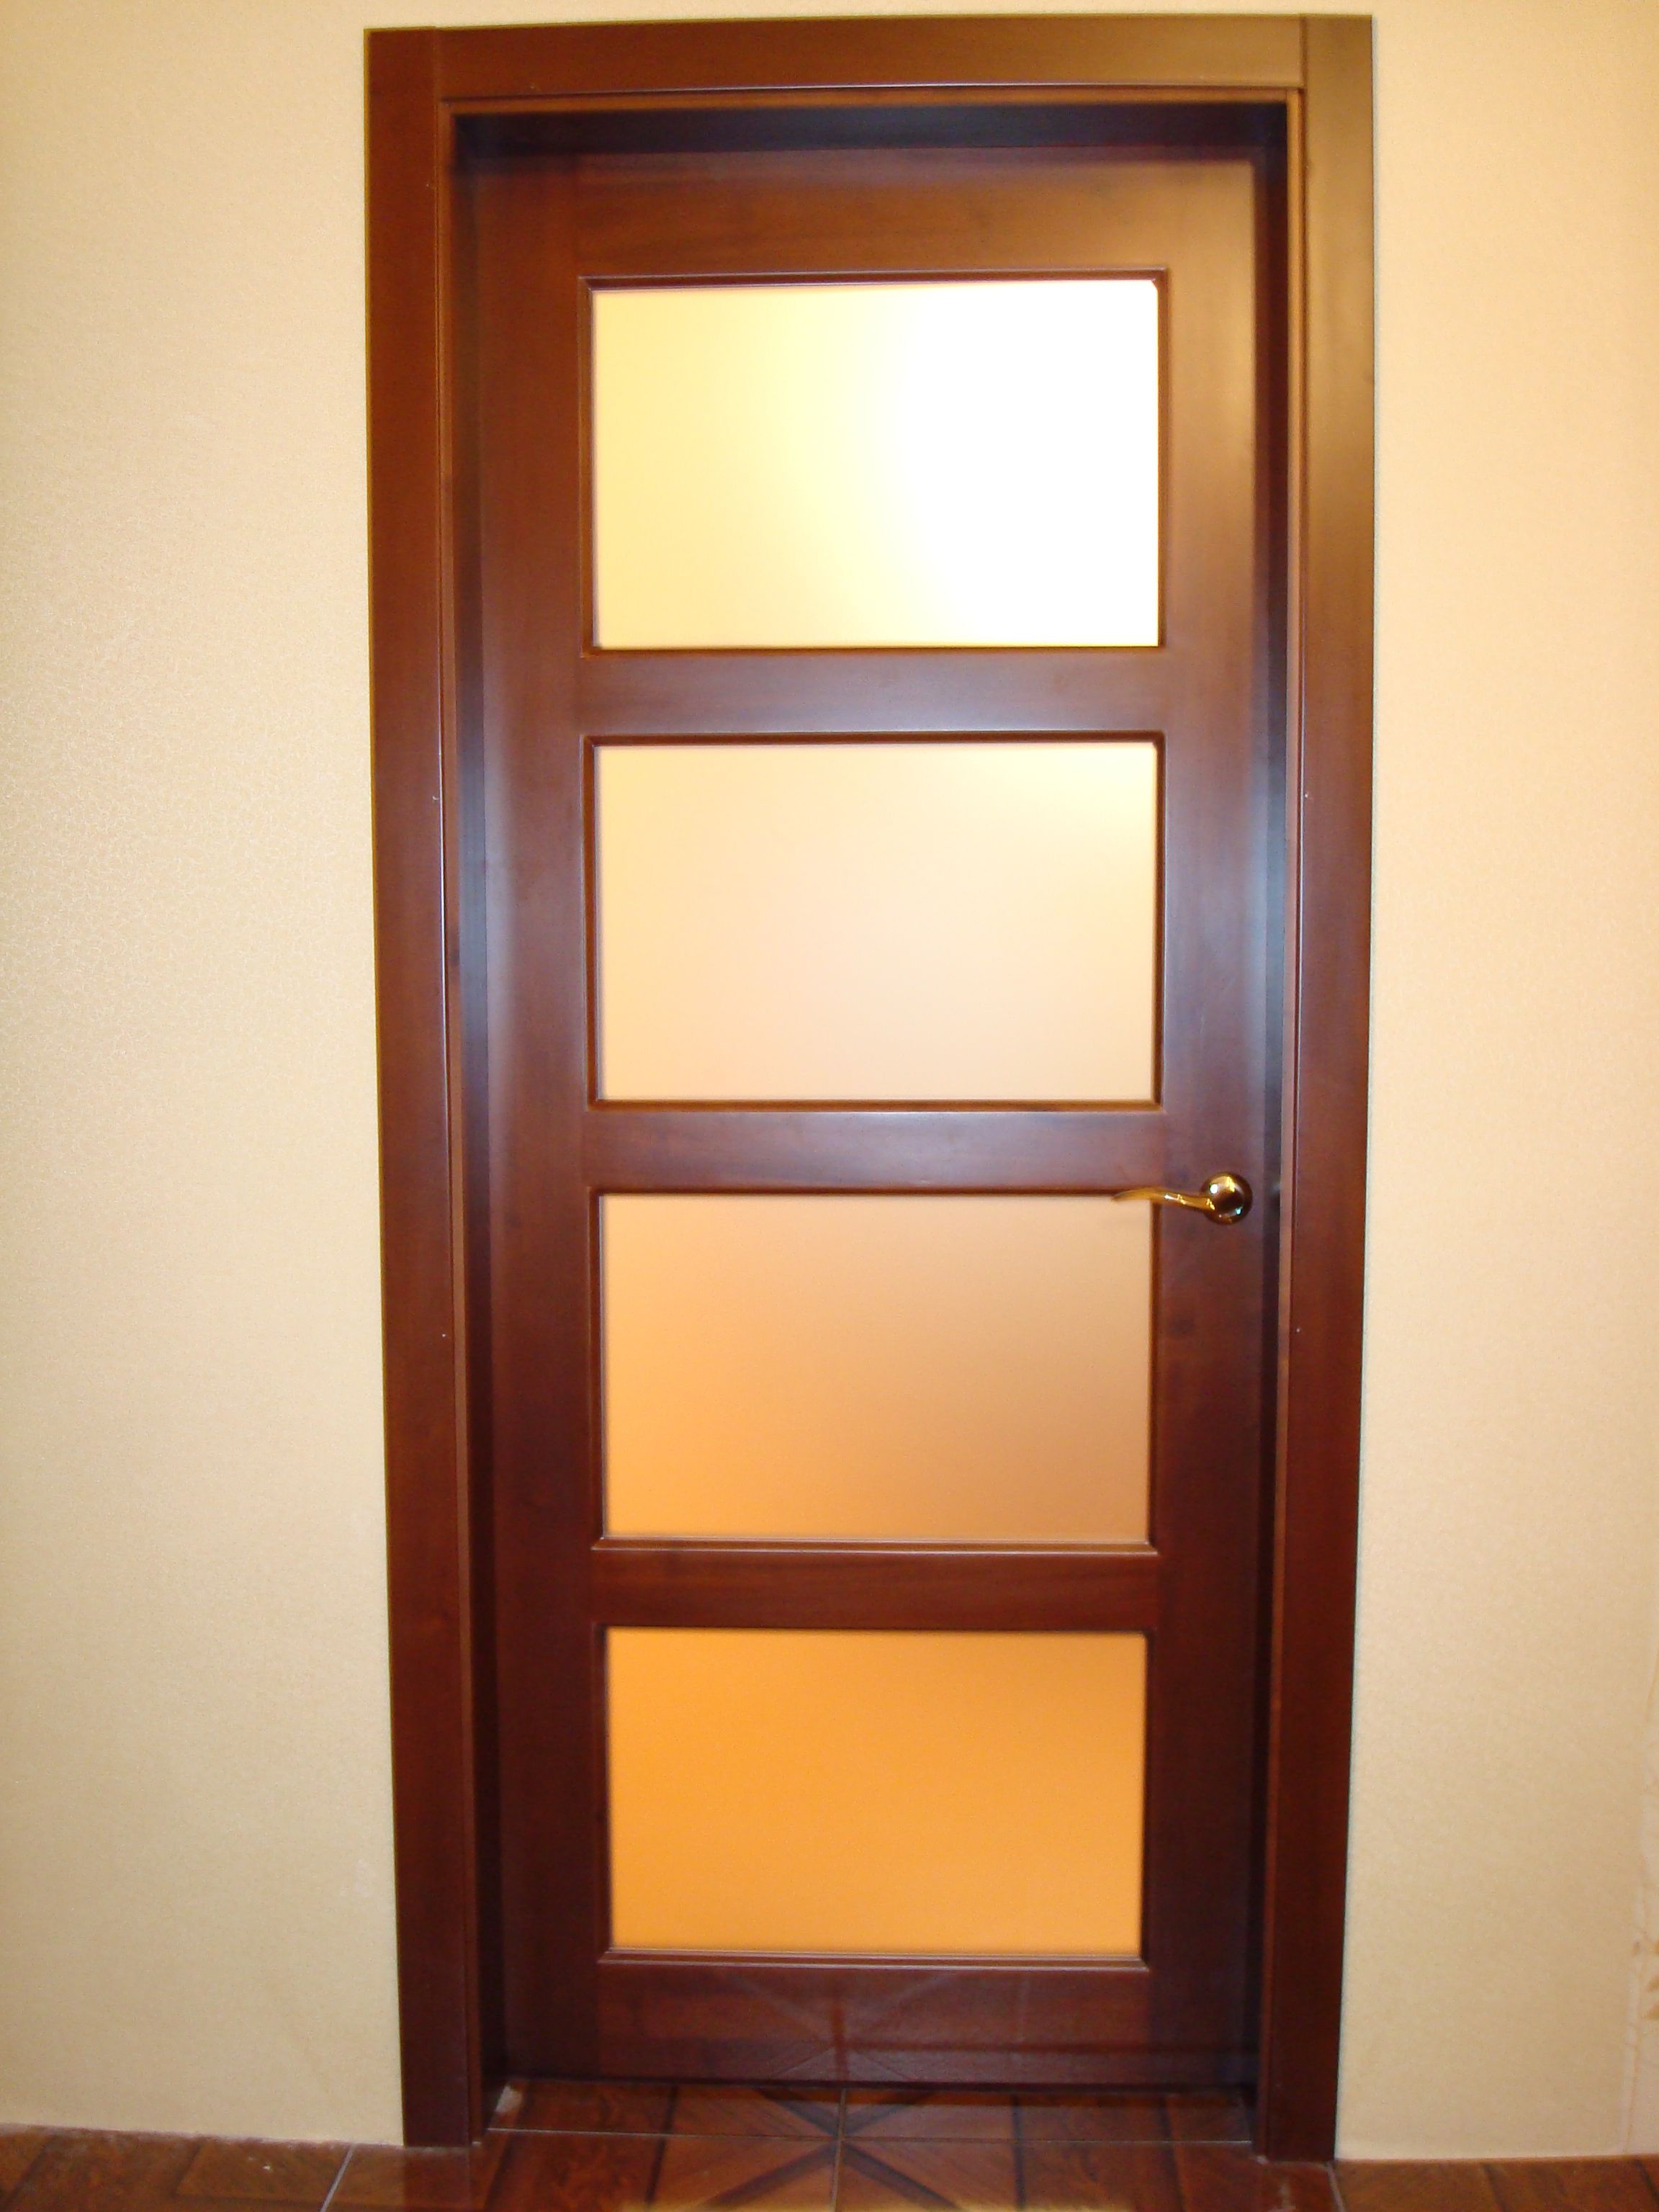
575	2173
1100	2177
720	2108
931	2115
1230	2178
103	2173
1207	2116
745	2170
890	2174
726	2147
1572	2184
292	2175
629	2108
18	2148
391	2180
1103	2116
1446	2187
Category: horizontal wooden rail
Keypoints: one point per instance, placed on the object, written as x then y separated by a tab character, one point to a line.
1110	692
875	1148
639	1584
1126	54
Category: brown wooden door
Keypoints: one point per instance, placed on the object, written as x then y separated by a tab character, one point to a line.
556	708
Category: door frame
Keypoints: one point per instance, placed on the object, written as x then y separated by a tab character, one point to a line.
1312	75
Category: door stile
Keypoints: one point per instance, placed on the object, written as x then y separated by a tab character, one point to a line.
541	1279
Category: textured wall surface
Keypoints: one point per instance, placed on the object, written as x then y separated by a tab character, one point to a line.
1509	1471
195	1867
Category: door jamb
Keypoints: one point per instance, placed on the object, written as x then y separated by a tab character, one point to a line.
1318	69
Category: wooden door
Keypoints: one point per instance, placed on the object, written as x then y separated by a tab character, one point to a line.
628	1212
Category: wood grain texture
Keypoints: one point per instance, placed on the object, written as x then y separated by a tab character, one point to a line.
1415	2186
757	2170
998	66
588	2146
799	2115
1212	2117
1570	2185
1150	120
1100	2177
543	227
592	2108
96	2172
18	2148
1322	1268
291	2174
879	1148
541	1281
876	2021
802	695
893	2175
873	2116
575	2173
1218	2178
427	1454
110	2172
1129	52
639	1584
379	2178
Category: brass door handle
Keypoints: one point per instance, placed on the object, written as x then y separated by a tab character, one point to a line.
1224	1198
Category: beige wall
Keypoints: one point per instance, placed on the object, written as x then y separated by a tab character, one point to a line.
195	1875
1509	1470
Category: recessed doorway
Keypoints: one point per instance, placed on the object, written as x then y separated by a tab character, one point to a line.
861	1098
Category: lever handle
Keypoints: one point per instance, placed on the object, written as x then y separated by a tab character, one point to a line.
1224	1198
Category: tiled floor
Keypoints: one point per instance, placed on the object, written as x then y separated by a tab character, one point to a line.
575	2147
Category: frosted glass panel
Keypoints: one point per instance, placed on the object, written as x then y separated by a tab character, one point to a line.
967	1368
950	920
870	465
799	1790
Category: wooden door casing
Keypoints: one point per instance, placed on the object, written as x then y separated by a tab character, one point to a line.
436	99
544	227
